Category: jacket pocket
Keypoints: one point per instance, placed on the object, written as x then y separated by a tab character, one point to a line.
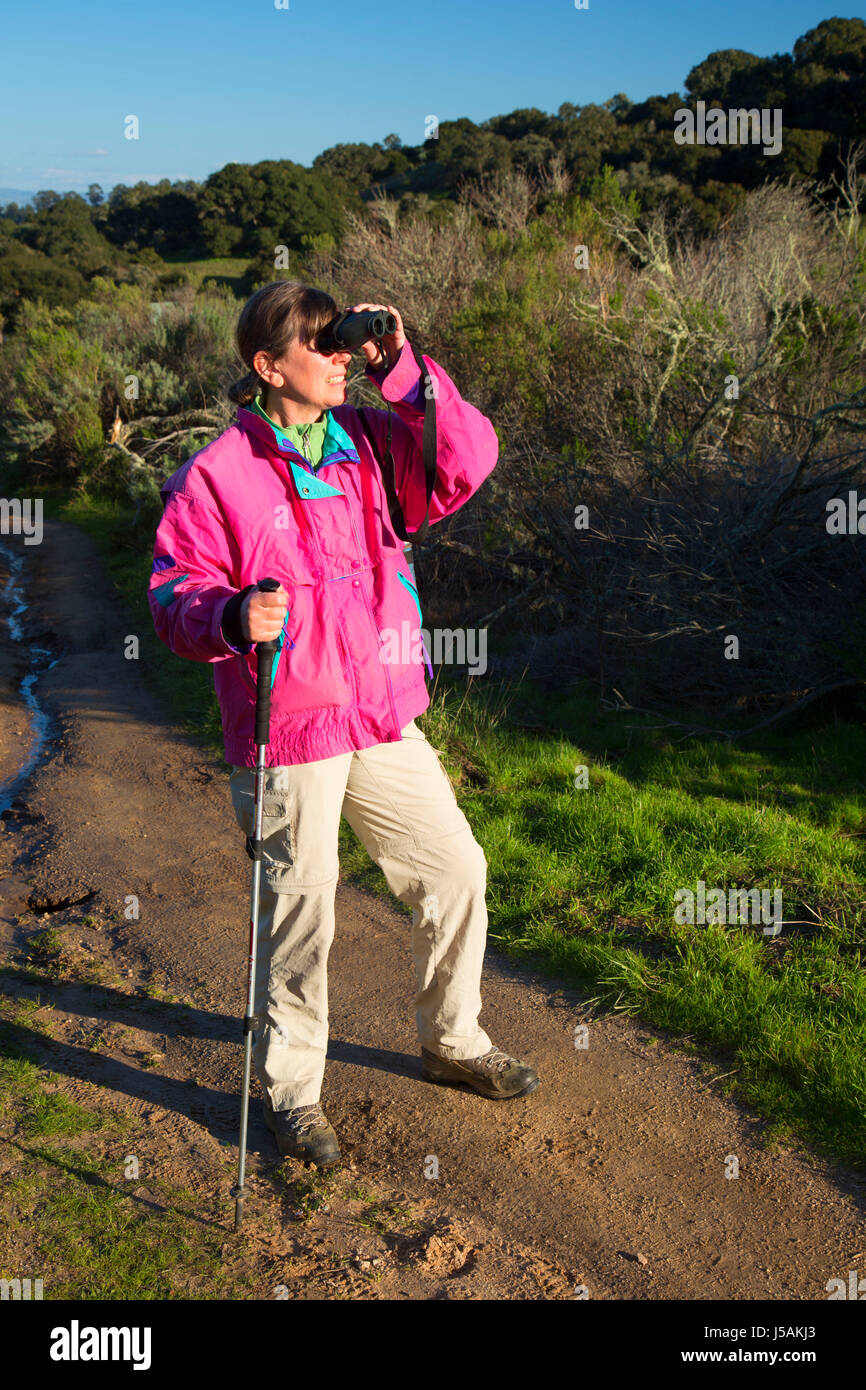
407	584
310	672
398	617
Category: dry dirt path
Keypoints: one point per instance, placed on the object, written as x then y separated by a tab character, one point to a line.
610	1176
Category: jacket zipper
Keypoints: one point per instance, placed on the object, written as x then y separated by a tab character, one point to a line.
388	684
338	622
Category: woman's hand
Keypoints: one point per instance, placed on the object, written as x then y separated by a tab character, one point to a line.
262	615
392	342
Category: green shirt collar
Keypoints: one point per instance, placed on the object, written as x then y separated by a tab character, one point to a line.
294	432
325	436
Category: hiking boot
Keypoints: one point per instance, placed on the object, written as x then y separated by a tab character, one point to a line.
304	1133
495	1075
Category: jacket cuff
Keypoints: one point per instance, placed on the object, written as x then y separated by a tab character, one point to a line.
230	623
402	381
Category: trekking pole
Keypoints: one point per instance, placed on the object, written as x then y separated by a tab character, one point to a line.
265	657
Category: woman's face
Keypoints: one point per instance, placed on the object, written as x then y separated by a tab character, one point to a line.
310	380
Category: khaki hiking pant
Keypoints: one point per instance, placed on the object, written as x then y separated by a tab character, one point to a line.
399	801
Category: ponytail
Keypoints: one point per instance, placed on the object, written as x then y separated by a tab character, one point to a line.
244	392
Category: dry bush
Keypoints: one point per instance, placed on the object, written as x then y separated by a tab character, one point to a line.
505	199
694	310
707	515
427	269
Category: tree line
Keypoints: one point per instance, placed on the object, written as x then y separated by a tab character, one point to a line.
54	248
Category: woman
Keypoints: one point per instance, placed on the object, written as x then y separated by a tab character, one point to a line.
293	490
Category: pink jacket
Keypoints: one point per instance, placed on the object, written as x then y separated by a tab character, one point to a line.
249	505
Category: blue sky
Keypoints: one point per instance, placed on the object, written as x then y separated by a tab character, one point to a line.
242	80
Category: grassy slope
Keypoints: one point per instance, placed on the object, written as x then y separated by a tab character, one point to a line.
82	1230
583	879
227	270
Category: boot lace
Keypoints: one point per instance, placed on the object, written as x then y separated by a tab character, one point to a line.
308	1117
495	1059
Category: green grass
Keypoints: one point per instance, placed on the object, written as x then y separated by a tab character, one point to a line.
105	1244
87	1235
45	945
37	1112
583	881
227	270
307	1194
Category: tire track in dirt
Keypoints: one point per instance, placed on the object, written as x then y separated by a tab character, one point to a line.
611	1175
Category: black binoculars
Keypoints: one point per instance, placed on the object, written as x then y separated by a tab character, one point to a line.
348	331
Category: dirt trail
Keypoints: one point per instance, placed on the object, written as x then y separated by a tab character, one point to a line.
611	1175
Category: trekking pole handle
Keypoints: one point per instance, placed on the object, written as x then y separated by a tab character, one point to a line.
265	657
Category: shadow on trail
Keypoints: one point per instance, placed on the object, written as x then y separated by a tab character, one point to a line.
109	1005
215	1110
106	1005
120	1189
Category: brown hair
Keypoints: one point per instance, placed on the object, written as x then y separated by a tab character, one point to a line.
270	321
